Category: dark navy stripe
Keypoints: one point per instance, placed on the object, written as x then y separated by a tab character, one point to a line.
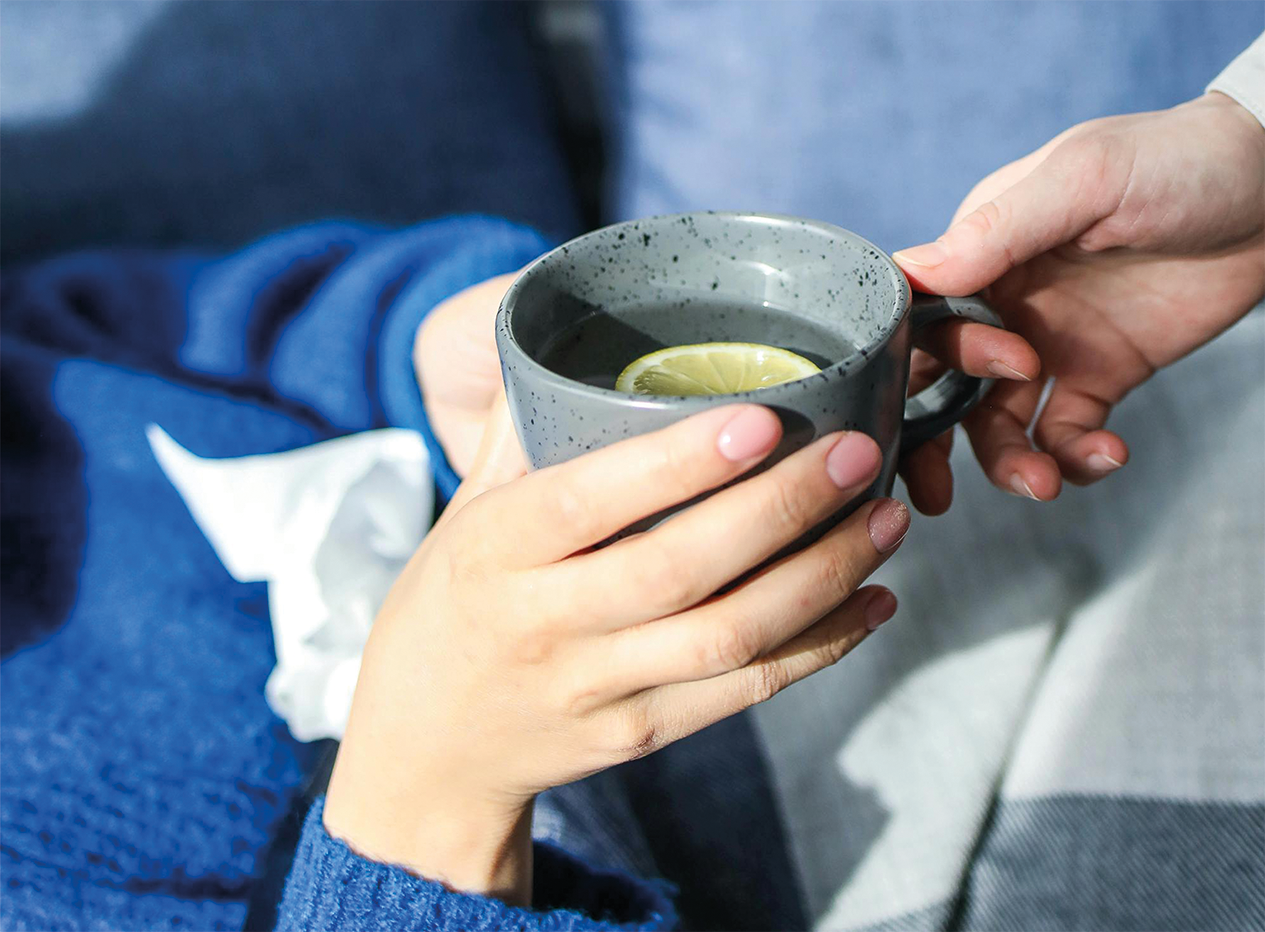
710	819
1086	862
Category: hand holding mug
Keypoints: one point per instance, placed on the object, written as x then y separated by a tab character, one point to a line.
511	656
577	316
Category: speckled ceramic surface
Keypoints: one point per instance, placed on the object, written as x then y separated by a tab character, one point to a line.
691	278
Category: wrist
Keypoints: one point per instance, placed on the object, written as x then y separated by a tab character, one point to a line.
1234	114
460	839
1229	168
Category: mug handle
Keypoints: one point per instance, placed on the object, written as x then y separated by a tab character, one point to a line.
948	399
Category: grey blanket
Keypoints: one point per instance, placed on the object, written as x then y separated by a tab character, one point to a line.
1064	725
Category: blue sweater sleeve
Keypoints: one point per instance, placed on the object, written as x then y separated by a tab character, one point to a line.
331	887
476	248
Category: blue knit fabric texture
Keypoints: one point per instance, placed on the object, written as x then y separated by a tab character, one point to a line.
143	775
331	887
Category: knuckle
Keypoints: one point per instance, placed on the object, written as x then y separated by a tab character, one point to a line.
786	508
831	652
734	646
533	642
463	571
464	558
989	224
840	571
1096	167
986	219
578	698
567	508
677	469
1098	238
1084	151
667	579
635	734
472	524
979	192
462	521
767	680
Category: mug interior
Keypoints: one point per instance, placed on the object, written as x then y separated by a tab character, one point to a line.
591	306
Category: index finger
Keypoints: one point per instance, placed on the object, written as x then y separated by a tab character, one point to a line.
554	512
980	350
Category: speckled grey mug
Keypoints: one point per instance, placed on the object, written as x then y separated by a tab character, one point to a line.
692	278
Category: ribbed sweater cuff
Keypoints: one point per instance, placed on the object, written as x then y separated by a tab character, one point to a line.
332	887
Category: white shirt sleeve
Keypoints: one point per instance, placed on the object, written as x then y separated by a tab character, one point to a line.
1244	79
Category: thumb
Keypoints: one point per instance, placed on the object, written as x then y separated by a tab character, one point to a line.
1062	197
500	458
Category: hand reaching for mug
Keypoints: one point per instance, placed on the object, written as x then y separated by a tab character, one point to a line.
1115	249
512	656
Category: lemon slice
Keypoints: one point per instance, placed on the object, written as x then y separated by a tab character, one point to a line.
712	369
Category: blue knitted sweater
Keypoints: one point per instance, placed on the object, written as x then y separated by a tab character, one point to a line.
144	777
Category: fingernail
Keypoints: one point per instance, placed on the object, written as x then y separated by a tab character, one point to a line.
1003	371
882	606
749	433
888	524
1021	487
927	255
1101	462
852	460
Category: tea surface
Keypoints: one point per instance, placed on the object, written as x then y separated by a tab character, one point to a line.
596	348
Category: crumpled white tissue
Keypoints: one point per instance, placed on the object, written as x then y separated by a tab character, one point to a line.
328	527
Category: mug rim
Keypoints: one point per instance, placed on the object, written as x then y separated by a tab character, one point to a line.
765	396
